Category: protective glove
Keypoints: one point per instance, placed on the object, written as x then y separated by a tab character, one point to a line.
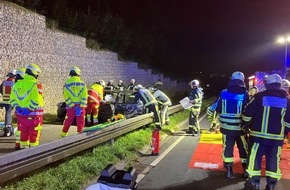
22	111
78	111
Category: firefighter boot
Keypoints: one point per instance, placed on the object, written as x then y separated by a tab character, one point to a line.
190	130
229	170
271	183
252	185
9	131
245	174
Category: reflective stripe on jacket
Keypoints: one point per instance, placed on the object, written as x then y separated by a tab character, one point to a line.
75	92
6	89
269	112
27	93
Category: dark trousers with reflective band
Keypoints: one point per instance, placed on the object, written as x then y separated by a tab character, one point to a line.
272	153
229	142
193	119
154	108
8	113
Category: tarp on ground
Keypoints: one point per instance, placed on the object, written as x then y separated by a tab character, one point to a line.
208	156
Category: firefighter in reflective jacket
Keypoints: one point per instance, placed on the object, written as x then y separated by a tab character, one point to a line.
163	101
27	98
213	117
95	96
149	102
269	114
75	94
5	90
19	76
195	98
230	107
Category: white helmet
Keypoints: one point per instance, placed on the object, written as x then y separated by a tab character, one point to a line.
285	83
238	75
132	81
139	86
13	72
273	78
102	82
194	83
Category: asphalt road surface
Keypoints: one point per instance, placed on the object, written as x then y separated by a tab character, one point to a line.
170	169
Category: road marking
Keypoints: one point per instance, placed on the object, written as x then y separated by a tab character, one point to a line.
159	158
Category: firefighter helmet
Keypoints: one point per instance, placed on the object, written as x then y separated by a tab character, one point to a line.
158	84
273	78
12	72
238	75
194	83
102	82
33	69
74	71
285	83
139	86
121	82
132	81
21	72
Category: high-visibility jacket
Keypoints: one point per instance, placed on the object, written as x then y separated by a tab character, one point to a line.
6	88
196	95
230	107
269	112
162	98
75	92
96	93
145	96
27	93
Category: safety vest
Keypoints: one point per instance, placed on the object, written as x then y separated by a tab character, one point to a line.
196	95
6	89
232	108
75	92
96	93
27	93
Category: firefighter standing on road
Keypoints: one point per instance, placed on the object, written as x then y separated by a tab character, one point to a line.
132	85
149	102
5	90
75	95
19	76
195	98
269	113
163	101
27	98
230	107
95	96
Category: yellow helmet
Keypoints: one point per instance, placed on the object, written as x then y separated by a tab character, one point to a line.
35	69
21	72
75	70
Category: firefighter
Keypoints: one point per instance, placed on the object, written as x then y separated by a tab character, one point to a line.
110	85
213	117
230	107
195	98
269	113
27	99
132	85
163	101
5	90
149	102
95	96
75	95
285	85
19	76
253	90
121	85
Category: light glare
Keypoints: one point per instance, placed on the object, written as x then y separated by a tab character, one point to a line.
281	40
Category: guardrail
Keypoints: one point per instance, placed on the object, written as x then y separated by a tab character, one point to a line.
24	161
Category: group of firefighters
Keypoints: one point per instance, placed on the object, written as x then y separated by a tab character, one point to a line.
23	92
257	122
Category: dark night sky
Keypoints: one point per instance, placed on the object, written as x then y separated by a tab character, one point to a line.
215	35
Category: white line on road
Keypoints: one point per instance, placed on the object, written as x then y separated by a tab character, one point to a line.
159	158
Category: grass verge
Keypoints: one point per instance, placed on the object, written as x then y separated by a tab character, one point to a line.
78	171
